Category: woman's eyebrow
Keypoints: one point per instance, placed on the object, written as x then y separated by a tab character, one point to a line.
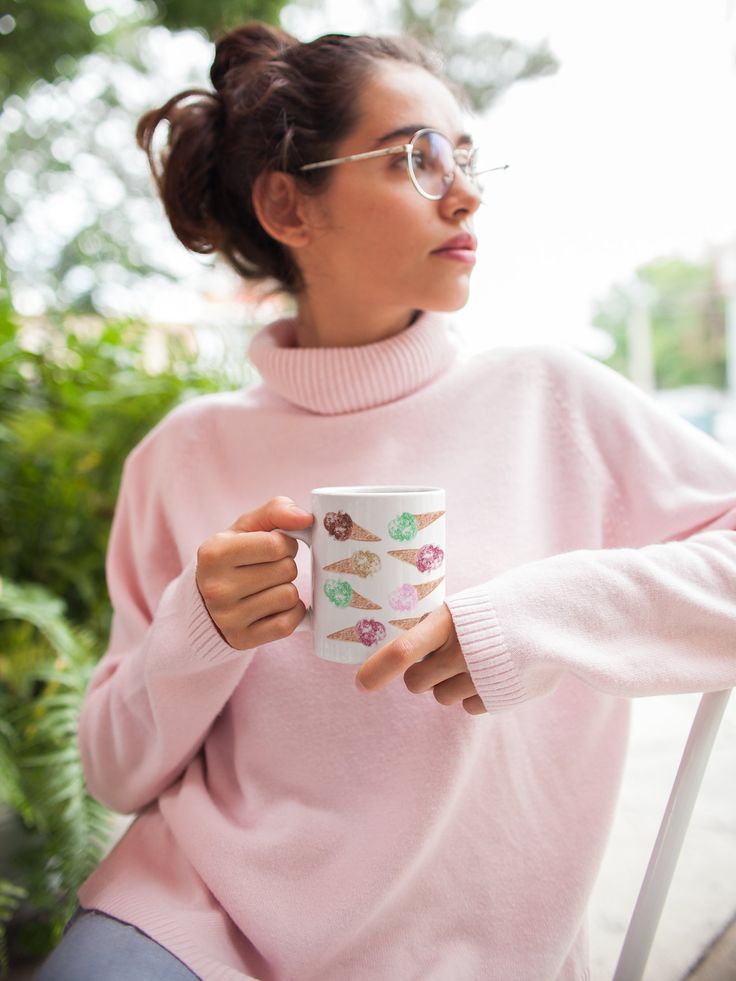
410	129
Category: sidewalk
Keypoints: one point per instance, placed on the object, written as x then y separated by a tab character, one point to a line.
719	961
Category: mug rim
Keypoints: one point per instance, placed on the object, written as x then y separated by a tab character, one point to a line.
375	490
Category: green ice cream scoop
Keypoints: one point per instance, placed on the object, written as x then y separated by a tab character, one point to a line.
403	527
339	592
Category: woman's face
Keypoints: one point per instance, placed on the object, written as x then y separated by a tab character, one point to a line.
374	236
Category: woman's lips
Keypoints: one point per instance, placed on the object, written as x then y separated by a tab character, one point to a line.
459	255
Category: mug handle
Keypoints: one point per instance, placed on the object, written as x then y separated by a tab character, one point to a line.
304	535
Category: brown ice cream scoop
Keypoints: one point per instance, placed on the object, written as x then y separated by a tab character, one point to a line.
339	525
360	563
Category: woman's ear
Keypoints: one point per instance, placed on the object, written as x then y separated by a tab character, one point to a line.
280	208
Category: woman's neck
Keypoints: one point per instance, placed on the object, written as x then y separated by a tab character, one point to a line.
334	380
331	325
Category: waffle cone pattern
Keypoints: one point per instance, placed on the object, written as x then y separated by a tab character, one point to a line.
408	623
361	535
361	603
423	520
425	588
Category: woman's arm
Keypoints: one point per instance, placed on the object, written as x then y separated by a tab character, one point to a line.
627	621
167	672
653	613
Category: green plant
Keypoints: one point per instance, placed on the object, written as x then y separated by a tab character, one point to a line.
75	397
58	831
10	897
46	37
687	321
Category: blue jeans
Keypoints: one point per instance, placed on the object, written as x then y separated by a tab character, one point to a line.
96	947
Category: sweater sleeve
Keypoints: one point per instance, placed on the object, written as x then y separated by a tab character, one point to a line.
167	672
655	612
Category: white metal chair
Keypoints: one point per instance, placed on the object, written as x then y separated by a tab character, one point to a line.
648	909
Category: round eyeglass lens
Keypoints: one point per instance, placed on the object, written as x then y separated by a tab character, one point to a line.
433	163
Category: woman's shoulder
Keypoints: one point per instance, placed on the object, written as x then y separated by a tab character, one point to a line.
195	422
596	401
565	369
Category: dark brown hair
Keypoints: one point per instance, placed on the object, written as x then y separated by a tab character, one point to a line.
277	103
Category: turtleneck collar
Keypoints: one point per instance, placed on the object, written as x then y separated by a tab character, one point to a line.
333	380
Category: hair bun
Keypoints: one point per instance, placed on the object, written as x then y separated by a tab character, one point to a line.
247	47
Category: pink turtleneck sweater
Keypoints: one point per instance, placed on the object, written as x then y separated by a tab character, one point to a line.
292	828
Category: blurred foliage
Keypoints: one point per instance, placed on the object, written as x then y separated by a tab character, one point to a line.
215	16
48	38
484	64
72	164
45	38
75	396
42	39
53	832
688	321
74	399
10	899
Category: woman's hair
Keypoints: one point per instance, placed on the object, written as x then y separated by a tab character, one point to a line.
277	104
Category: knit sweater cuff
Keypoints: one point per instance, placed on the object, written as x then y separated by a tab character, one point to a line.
491	667
205	639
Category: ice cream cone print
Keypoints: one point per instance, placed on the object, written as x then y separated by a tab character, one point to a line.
360	563
408	595
424	559
361	603
427	518
366	632
340	525
425	588
409	623
406	526
361	535
341	593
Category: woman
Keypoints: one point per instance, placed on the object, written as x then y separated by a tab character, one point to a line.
450	826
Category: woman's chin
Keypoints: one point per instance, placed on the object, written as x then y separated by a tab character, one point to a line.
449	300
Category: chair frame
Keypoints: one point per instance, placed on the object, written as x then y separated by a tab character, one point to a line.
666	851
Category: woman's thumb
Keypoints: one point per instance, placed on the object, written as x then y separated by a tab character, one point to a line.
283	512
279	512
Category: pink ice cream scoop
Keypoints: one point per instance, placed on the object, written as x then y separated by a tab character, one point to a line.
429	557
404	598
370	632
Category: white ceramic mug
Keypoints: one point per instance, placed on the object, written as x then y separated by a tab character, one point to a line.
378	566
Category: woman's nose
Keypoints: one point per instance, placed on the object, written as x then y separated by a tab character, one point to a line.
463	192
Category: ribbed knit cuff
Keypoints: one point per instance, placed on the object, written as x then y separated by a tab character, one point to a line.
204	637
482	642
159	925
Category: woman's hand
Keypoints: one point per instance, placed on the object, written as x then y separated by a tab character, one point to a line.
244	575
444	670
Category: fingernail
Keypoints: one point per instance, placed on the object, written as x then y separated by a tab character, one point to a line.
358	685
301	511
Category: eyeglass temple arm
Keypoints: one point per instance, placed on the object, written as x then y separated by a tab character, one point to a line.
489	169
382	153
358	156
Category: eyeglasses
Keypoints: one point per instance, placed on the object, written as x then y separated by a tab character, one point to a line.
431	162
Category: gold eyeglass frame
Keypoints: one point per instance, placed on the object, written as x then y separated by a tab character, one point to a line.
462	156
